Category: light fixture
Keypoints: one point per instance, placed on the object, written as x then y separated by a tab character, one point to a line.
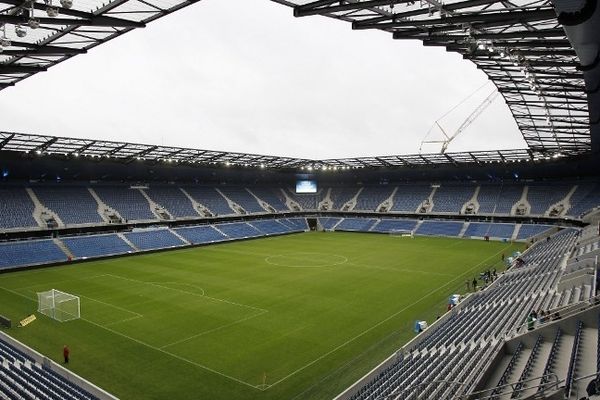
33	23
52	11
66	3
20	31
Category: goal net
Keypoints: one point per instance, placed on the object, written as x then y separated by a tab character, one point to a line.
59	305
402	233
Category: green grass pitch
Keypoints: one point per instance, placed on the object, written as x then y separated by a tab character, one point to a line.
290	317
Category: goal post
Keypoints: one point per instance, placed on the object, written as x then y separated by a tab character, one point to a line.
402	233
59	305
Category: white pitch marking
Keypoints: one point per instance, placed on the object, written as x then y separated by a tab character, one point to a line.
218	328
151	346
382	322
190	293
343	260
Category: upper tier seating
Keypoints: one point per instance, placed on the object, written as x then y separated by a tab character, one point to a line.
14	254
201	234
243	198
372	196
409	197
174	200
356	224
585	198
440	228
16	208
341	195
451	198
96	245
211	199
129	203
481	229
542	196
498	198
238	230
391	225
73	204
154	239
307	201
530	230
271	196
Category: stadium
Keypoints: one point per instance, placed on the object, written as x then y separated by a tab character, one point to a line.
144	270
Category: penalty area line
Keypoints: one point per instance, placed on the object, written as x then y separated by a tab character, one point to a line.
152	347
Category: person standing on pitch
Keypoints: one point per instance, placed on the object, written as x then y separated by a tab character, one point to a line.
66	353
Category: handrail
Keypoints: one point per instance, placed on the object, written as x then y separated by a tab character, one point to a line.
418	385
595	374
572	309
544	385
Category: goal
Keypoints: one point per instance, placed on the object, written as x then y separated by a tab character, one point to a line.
59	305
402	233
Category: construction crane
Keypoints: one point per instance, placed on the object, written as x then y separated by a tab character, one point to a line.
466	123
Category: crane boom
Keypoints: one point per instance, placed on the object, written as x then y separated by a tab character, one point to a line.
466	123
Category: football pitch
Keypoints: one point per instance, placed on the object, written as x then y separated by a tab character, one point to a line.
290	317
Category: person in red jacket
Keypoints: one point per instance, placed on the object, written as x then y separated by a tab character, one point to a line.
66	353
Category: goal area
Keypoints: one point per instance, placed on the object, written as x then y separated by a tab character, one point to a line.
59	305
402	233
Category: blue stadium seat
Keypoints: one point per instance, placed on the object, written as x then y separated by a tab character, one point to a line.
96	245
440	228
154	239
16	208
130	203
73	204
243	198
174	200
210	198
201	234
14	254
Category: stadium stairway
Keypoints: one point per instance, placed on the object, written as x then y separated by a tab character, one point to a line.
41	213
557	359
184	240
124	238
64	248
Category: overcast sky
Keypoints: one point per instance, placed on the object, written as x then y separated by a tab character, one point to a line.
245	75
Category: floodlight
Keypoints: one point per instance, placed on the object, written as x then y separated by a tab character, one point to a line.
33	23
20	31
52	11
4	42
66	3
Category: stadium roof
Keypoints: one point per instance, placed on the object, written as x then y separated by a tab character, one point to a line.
38	145
520	44
35	35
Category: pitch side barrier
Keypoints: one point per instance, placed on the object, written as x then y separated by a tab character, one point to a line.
135	253
122	227
51	365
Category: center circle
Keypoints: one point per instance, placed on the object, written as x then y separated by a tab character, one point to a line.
306	260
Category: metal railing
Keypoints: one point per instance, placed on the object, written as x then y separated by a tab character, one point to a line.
549	382
595	375
563	312
399	394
